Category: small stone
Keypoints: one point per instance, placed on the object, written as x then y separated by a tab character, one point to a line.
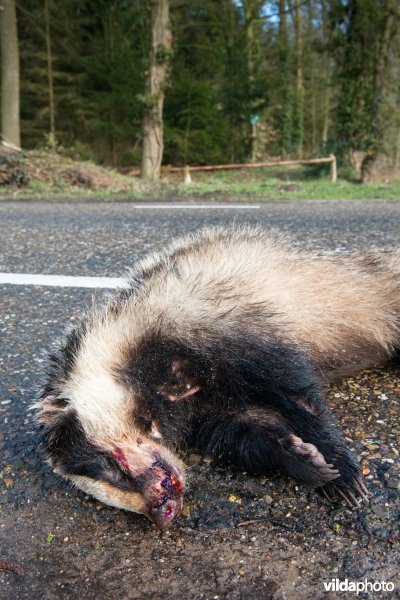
392	483
381	534
234	499
382	512
267	498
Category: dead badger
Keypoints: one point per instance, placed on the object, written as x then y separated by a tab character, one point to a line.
220	342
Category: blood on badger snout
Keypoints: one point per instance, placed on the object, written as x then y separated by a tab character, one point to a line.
220	342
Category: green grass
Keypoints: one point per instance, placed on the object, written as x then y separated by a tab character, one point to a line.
264	184
47	192
239	186
276	190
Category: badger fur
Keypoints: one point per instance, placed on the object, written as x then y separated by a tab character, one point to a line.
222	342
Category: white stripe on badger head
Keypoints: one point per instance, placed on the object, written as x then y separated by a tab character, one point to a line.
99	402
102	404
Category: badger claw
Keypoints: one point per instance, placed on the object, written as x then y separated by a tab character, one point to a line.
346	493
325	494
360	487
348	496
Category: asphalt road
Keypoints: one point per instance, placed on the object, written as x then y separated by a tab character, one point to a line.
242	537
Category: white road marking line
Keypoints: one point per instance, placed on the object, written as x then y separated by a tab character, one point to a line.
62	280
103	282
195	206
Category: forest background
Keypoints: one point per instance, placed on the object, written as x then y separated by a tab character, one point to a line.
244	80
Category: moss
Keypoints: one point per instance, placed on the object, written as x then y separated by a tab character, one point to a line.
50	537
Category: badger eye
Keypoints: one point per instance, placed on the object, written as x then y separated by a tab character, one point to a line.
145	424
148	426
114	475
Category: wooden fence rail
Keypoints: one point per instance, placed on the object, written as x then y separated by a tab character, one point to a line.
282	163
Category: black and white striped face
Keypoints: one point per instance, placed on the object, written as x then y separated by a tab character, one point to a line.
111	417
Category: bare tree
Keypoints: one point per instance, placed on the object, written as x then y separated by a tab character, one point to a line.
296	6
251	12
153	142
326	75
52	138
10	122
380	85
286	92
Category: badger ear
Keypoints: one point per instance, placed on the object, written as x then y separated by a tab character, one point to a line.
182	381
49	409
180	367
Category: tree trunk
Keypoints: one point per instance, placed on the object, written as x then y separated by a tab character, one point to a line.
10	123
326	104
52	139
153	143
381	77
299	106
251	12
286	116
249	28
327	69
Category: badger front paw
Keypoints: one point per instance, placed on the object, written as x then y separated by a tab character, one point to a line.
314	459
330	467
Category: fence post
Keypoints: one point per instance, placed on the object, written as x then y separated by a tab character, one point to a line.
187	177
333	168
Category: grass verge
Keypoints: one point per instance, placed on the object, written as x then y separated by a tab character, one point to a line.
41	176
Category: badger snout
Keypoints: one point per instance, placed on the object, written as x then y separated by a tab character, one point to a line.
157	475
164	494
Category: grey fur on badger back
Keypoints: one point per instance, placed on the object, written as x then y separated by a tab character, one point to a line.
221	342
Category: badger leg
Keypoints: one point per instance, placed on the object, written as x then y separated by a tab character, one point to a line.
307	448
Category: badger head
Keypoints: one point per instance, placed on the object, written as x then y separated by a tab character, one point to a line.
112	411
